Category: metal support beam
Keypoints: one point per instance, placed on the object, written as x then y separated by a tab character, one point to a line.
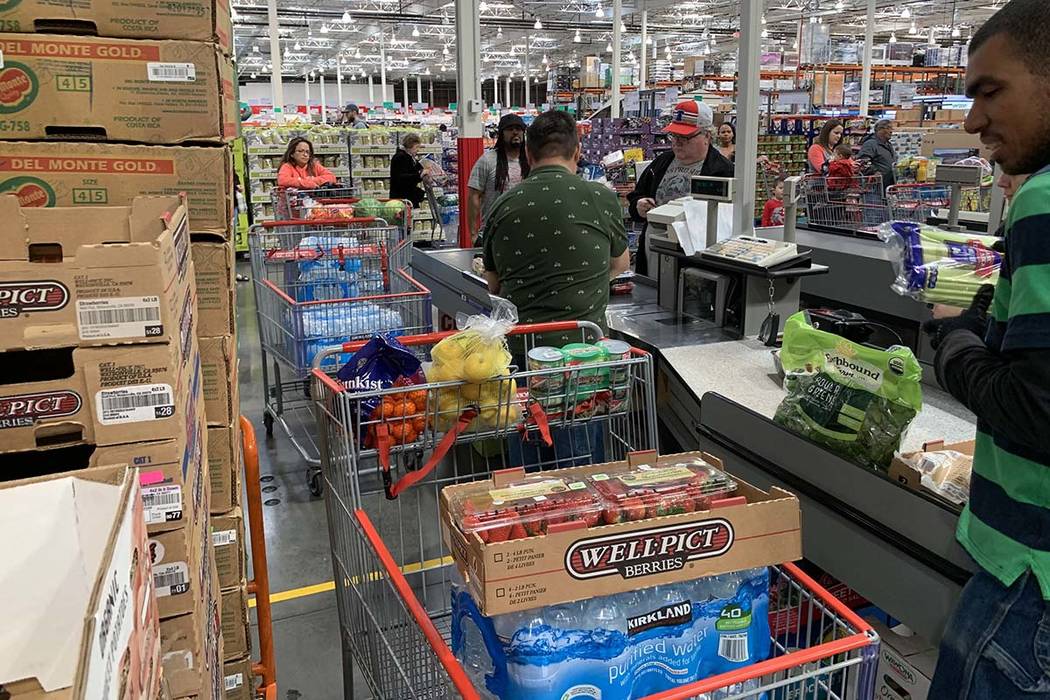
276	85
306	81
404	92
324	101
419	89
371	91
528	72
339	85
470	144
382	68
869	45
642	53
748	119
617	38
507	105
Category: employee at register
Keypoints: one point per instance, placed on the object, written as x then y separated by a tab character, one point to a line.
668	177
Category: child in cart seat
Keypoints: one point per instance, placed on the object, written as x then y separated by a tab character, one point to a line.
842	170
773	211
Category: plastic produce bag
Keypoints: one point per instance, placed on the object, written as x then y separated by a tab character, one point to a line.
382	363
855	400
938	266
477	356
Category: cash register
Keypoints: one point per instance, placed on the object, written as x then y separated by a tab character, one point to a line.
745	283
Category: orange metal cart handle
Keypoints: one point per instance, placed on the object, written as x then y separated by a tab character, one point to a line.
259	586
335	221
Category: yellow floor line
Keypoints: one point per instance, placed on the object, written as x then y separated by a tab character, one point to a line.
293	593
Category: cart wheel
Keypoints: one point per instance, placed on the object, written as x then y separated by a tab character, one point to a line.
314	482
268	424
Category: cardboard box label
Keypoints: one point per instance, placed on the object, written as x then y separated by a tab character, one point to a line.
171	72
135	404
162	504
17	298
23	410
652	551
171	579
122	317
223	538
234	681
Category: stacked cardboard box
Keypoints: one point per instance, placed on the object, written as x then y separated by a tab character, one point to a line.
121	323
81	622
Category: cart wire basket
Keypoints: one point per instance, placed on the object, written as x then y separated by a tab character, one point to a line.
853	205
398	482
290	203
819	648
917	201
319	284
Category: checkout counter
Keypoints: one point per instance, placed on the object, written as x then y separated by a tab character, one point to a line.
718	389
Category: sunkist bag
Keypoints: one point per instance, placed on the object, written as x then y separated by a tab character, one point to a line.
855	400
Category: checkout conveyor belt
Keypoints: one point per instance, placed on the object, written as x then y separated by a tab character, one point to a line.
895	546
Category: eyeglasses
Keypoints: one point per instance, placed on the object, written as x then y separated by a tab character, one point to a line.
678	138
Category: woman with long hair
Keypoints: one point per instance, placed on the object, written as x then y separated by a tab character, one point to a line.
301	169
819	154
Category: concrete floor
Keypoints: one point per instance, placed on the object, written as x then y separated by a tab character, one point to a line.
306	628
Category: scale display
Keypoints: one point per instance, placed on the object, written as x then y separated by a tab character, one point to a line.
712	189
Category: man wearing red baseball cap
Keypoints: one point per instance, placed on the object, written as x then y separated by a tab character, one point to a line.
667	177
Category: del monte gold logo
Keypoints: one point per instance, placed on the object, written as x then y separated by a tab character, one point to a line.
31	191
18	87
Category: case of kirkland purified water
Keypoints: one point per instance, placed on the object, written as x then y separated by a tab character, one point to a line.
616	647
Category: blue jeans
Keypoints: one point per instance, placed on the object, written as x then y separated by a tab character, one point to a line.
574	446
997	645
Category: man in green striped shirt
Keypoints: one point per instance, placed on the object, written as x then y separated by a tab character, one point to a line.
997	645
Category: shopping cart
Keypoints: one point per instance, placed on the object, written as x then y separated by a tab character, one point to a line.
917	201
318	284
845	204
819	648
461	442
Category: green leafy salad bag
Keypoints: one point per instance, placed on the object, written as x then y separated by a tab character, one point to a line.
854	400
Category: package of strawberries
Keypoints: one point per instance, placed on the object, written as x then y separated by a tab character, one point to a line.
527	507
644	491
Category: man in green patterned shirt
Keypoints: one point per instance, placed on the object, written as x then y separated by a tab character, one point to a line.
997	645
553	242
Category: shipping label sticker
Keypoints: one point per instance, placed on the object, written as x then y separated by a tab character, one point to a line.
171	579
162	504
221	538
135	404
124	317
171	72
234	681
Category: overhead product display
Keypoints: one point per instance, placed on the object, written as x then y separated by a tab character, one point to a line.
581	349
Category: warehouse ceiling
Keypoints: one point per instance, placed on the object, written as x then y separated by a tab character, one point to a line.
419	38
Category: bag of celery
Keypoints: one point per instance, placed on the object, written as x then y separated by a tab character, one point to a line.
852	399
941	267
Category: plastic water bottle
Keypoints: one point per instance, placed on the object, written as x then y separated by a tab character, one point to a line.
724	586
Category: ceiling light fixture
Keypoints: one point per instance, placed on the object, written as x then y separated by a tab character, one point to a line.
913	30
599	13
765	33
444	51
623	28
253	76
255	48
840	5
298	46
576	39
538	25
545	61
608	47
893	37
346	17
905	13
499	32
483	7
956	33
415	31
763	19
324	28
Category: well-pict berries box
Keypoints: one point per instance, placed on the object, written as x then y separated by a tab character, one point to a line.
527	541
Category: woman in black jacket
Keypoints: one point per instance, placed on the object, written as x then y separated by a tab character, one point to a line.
692	153
406	172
